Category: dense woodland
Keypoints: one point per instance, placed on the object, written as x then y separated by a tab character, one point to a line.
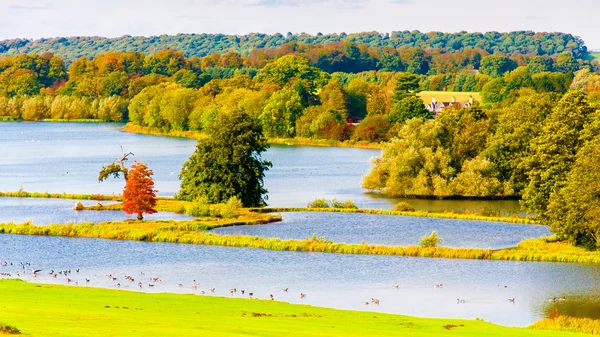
534	136
523	42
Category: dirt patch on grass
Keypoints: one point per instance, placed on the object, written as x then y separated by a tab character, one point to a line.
8	330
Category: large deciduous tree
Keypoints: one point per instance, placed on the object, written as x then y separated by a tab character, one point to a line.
139	196
227	163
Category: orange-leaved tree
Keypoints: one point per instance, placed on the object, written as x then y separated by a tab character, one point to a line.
139	195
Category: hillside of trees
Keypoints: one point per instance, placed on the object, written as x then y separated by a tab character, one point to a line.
513	43
534	136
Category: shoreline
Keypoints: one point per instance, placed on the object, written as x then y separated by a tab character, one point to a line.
31	307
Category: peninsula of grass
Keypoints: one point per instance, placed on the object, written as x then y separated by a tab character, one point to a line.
45	195
417	213
55	310
196	232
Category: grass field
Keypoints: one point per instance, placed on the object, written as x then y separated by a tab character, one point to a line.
53	310
446	96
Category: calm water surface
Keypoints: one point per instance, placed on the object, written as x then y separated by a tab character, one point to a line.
392	230
66	158
52	211
331	280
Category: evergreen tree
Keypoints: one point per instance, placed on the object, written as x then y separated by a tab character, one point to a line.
227	163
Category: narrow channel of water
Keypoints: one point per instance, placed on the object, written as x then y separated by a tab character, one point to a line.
392	230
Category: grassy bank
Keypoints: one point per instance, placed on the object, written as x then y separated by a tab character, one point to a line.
53	310
193	232
130	127
418	213
76	120
25	194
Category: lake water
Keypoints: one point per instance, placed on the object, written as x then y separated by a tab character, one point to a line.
67	157
392	230
330	280
56	211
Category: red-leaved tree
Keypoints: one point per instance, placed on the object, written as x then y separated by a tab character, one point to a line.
139	195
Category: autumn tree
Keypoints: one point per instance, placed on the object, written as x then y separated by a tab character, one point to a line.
139	195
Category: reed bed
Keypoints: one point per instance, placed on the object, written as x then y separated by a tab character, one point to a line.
25	194
568	323
426	214
195	232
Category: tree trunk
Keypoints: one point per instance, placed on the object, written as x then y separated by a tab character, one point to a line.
140	216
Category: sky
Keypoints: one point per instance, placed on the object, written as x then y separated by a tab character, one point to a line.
113	18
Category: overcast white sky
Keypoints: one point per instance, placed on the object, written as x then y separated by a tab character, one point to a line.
111	18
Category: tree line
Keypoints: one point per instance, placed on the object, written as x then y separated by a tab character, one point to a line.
510	43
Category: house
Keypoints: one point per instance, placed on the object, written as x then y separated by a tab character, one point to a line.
437	107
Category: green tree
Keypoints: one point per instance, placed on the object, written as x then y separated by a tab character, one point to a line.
406	85
280	113
496	65
227	163
574	211
554	151
407	108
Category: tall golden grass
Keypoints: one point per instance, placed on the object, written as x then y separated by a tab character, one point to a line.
568	323
418	213
24	194
194	232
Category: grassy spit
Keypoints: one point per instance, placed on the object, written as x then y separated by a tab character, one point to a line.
194	232
55	310
418	213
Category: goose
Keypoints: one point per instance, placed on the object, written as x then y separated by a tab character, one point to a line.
553	299
284	290
460	300
366	303
562	299
396	286
511	300
375	301
302	295
212	290
271	296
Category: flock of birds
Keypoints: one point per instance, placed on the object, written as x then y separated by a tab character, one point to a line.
141	280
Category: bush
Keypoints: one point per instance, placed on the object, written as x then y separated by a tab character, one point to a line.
403	207
349	204
201	208
78	206
318	203
231	208
430	241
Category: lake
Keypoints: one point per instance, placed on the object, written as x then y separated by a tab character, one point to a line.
66	158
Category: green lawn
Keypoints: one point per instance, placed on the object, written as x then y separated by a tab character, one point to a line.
53	310
446	96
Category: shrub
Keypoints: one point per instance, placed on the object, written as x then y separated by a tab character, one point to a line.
403	207
200	208
334	203
318	203
349	204
430	241
78	206
231	208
